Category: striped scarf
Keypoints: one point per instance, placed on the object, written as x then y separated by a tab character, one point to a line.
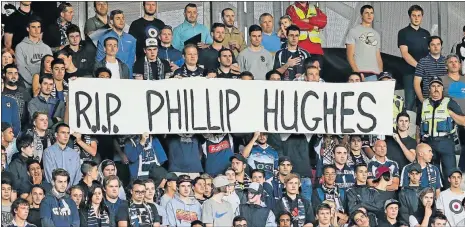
148	74
63	37
298	213
37	142
94	221
65	90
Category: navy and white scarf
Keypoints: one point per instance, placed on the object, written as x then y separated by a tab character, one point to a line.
298	213
148	74
63	37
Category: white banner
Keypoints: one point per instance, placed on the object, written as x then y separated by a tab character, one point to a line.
199	105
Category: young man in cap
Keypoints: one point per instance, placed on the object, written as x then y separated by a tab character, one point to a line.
430	175
258	175
284	169
239	164
108	168
255	211
260	155
449	201
300	208
438	123
150	66
170	189
408	194
382	180
216	211
391	209
183	209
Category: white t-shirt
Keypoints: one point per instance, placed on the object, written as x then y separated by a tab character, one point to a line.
114	68
451	204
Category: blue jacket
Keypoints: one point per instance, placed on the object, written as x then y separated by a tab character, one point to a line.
10	113
133	150
54	157
61	212
126	49
185	31
171	55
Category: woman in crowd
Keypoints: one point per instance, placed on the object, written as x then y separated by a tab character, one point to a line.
426	209
7	58
95	213
45	68
76	194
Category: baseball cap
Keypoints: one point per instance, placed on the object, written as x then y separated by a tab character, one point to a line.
380	170
436	79
415	167
384	75
284	159
220	181
255	188
455	170
171	177
182	179
151	42
390	202
238	157
5	126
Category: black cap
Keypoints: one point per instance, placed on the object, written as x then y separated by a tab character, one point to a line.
183	178
171	177
5	126
436	79
455	170
284	159
415	167
384	75
238	157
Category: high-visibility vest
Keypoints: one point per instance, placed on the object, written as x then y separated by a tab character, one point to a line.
314	34
436	122
398	107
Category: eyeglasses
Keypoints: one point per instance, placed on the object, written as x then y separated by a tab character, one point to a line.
139	192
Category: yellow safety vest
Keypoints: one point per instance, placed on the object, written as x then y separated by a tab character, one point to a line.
313	35
398	107
436	122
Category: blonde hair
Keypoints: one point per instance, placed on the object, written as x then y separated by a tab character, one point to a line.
290	177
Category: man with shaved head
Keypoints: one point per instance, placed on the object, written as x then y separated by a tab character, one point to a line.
380	159
430	175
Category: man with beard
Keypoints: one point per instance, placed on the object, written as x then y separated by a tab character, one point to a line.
150	66
190	28
261	155
126	43
284	169
239	165
234	38
55	34
146	27
57	208
44	102
401	147
11	89
18	166
37	195
357	155
100	20
226	68
438	119
208	57
362	196
35	177
408	195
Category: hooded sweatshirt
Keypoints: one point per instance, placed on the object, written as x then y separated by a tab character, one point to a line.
122	193
59	210
182	214
28	58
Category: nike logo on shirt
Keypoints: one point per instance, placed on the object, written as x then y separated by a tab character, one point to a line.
219	215
35	61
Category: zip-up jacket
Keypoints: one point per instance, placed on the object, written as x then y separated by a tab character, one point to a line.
83	59
18	167
408	199
126	48
171	55
124	72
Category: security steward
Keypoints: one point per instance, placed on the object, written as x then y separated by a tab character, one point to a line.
438	122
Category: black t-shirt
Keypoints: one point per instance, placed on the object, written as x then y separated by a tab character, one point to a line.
208	57
416	41
395	153
282	57
139	68
138	213
229	75
142	29
16	25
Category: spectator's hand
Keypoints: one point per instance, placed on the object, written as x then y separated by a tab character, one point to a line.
173	66
144	137
73	78
428	210
343	218
202	45
396	137
291	62
178	77
77	135
256	135
235	67
124	158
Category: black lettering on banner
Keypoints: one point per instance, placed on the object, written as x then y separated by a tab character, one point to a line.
230	111
221	111
193	113
173	110
302	111
345	111
365	114
111	113
296	105
267	110
329	111
209	123
186	110
96	127
82	111
150	113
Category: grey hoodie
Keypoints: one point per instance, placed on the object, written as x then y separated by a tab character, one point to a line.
121	194
28	58
181	214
